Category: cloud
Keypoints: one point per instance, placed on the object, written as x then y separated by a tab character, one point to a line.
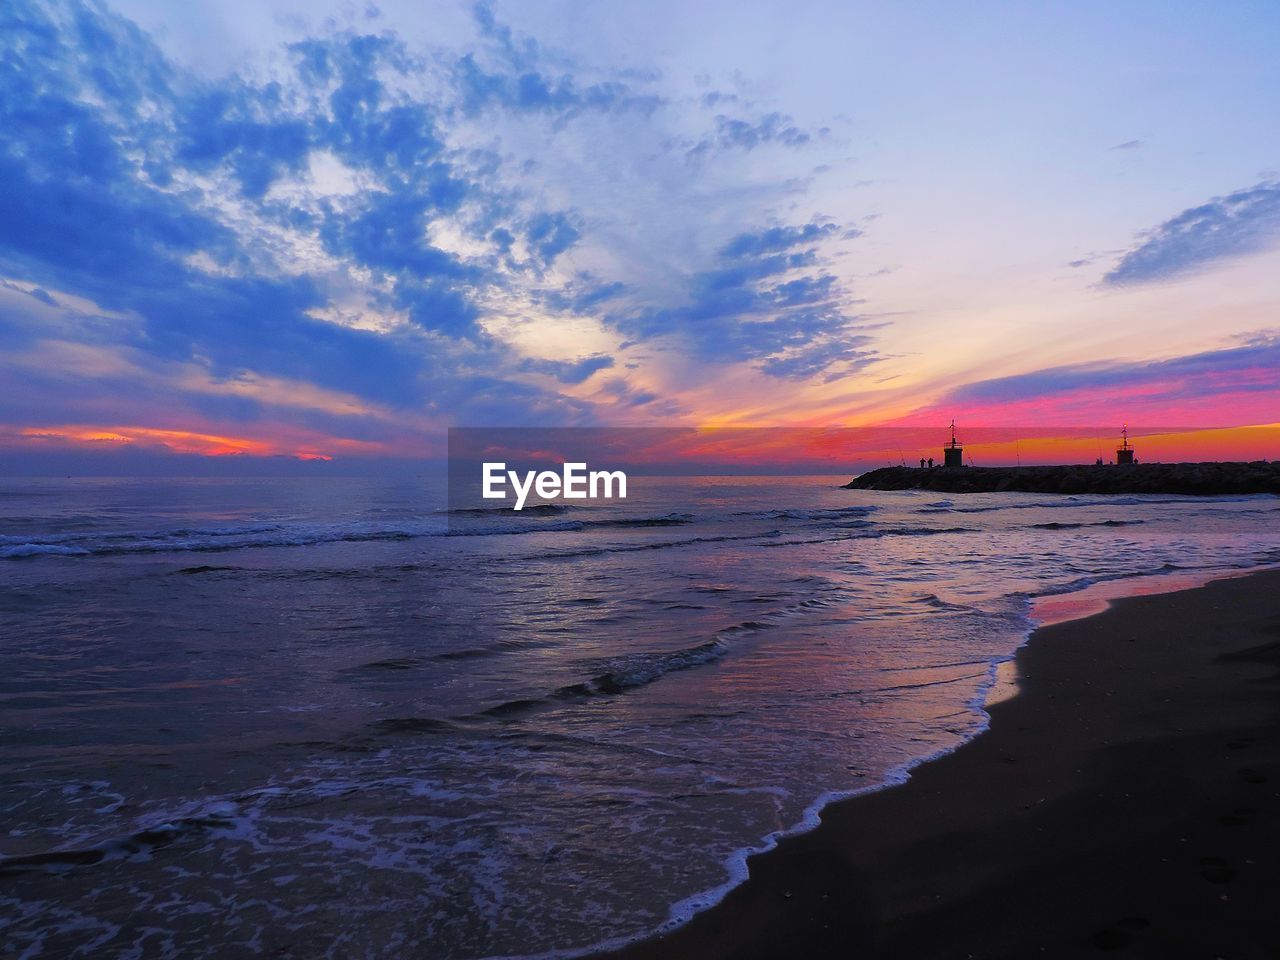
1238	224
518	79
1129	145
771	128
766	299
551	234
649	403
114	163
536	92
36	293
570	371
736	133
583	294
1223	387
338	238
775	239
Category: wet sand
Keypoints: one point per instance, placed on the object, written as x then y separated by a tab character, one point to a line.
1125	803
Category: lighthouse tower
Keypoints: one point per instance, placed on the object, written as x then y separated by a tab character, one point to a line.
953	453
1124	455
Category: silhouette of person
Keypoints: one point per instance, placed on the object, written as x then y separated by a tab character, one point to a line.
931	463
922	463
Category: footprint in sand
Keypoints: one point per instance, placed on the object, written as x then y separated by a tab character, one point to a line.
1121	935
1238	819
1217	870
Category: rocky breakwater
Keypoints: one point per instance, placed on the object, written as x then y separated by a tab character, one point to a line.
1194	479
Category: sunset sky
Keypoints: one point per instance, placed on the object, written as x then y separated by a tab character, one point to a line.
333	230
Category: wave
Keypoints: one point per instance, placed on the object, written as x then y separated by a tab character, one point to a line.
915	531
1104	500
1055	525
535	510
657	545
613	676
666	520
139	844
641	669
20	551
200	540
625	673
1092	578
661	520
935	601
413	725
390	663
511	527
873	532
831	513
221	539
632	671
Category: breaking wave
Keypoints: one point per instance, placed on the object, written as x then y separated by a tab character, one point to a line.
502	522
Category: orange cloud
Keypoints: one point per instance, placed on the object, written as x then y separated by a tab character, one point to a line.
176	441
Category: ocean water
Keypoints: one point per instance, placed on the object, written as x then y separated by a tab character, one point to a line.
240	716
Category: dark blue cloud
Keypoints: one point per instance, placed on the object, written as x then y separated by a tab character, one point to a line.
771	128
186	204
735	133
436	305
1204	374
1240	223
585	293
77	213
521	52
777	239
569	371
835	357
632	397
260	135
519	79
389	231
100	138
535	92
767	299
219	127
551	234
362	122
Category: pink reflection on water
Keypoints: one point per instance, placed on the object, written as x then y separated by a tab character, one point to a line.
1095	599
1047	611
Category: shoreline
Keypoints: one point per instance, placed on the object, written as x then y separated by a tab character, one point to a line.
812	893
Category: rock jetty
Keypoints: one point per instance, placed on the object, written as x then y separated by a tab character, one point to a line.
1194	479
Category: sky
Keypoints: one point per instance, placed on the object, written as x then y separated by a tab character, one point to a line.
328	231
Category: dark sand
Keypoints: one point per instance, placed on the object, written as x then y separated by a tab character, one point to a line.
1126	804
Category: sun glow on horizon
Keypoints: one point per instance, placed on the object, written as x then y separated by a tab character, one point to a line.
174	441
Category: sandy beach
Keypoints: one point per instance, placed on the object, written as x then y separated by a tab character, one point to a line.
1125	802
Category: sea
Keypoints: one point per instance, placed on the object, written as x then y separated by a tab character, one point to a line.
331	717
